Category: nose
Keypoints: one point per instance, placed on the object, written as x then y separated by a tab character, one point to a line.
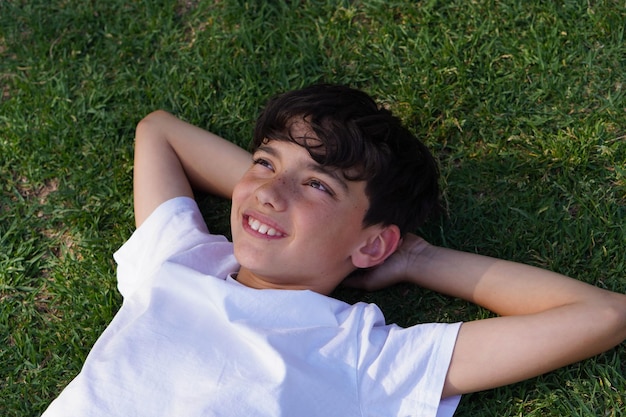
273	193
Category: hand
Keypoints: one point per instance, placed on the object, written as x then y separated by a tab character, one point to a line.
394	270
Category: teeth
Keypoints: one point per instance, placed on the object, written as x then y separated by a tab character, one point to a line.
262	228
254	224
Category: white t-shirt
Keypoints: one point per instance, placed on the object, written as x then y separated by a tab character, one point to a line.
189	340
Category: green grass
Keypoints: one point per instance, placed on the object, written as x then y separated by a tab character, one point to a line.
523	102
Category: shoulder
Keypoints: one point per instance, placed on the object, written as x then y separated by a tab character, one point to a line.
174	232
171	222
411	363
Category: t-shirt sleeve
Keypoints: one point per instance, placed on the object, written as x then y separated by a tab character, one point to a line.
174	229
403	371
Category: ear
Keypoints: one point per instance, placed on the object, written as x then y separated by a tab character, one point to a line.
381	243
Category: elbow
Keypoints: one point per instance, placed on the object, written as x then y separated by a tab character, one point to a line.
150	118
149	123
156	114
615	309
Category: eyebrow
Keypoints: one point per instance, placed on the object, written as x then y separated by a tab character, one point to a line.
312	165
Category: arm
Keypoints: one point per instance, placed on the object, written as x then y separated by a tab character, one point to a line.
173	157
547	320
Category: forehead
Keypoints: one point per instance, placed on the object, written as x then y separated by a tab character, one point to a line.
326	152
293	153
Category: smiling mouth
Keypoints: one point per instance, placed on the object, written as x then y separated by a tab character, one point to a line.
263	228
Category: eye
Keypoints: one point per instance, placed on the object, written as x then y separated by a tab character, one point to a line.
318	185
263	162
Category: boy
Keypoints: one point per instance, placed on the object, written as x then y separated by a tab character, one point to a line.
334	185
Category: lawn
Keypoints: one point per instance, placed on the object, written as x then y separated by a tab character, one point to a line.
523	102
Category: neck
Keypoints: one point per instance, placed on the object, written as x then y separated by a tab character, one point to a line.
252	280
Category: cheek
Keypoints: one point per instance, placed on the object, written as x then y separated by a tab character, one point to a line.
239	195
334	226
240	192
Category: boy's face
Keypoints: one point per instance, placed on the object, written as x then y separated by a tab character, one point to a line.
296	224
